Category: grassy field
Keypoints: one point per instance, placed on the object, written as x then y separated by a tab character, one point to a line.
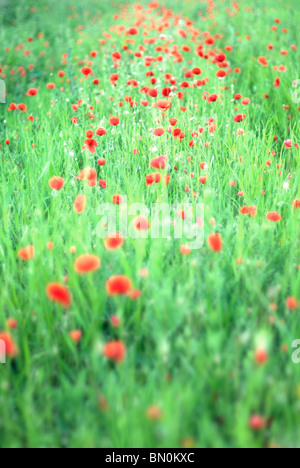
161	345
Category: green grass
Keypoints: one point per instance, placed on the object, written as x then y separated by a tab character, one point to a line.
192	335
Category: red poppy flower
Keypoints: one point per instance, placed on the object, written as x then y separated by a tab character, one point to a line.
167	179
56	183
292	303
80	203
118	199
50	245
152	92
12	107
215	242
274	216
197	71
101	131
90	145
92	178
159	162
239	118
141	223
221	74
75	335
246	101
22	107
296	204
114	241
176	132
132	31
114	77
27	253
166	92
154	413
12	323
263	61
212	98
288	144
32	92
153	179
86	71
185	250
118	285
115	351
158	131
114	121
257	422
10	349
116	55
135	294
163	105
103	183
261	356
86	264
245	210
59	293
115	321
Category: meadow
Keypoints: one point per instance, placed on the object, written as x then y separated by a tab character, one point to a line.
118	341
